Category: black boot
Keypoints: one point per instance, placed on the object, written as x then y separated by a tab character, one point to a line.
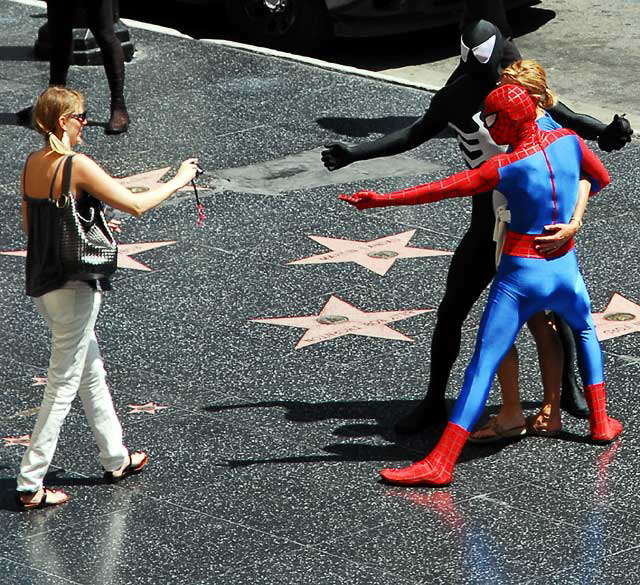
119	121
429	412
572	399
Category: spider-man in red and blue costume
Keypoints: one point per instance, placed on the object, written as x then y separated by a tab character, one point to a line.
539	178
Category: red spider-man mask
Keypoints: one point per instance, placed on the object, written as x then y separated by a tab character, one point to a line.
508	113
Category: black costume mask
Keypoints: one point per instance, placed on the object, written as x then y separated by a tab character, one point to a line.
481	47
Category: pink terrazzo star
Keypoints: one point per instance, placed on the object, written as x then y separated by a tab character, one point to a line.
620	316
125	251
146	408
143	181
39	381
149	180
377	255
338	318
21	441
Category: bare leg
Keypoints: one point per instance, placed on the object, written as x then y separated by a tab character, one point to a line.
550	358
510	414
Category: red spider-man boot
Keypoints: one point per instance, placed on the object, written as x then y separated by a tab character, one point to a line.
604	429
435	469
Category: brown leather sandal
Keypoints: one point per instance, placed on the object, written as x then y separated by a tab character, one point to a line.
43	502
496	432
130	469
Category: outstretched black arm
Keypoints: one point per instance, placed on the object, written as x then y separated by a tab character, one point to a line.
431	123
612	136
586	126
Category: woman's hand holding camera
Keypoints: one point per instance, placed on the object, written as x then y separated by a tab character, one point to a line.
188	171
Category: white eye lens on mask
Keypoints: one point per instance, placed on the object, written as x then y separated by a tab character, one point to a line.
464	51
484	50
490	120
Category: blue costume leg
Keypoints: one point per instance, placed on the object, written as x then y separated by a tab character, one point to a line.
506	312
574	305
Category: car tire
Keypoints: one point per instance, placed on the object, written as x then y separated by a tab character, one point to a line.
281	24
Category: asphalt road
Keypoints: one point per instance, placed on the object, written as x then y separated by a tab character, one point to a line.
589	47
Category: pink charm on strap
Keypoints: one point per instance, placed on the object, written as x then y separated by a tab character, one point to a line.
201	216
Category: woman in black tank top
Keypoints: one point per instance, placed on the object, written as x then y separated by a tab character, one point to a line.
71	307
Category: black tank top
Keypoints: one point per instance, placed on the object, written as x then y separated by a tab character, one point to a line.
43	268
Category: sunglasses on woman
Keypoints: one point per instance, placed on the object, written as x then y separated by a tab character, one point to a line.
81	117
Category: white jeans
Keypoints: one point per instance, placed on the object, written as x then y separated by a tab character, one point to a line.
75	367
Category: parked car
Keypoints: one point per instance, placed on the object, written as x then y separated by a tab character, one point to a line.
295	23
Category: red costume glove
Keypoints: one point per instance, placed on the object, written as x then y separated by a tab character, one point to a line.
365	199
461	184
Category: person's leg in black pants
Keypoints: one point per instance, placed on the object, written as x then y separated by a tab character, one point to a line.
471	270
61	38
572	399
59	16
100	15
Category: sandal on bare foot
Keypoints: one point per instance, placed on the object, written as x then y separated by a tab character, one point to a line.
131	469
538	426
49	498
493	431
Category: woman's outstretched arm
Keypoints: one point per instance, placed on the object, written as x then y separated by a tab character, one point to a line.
90	176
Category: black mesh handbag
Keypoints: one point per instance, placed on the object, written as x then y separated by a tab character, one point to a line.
88	250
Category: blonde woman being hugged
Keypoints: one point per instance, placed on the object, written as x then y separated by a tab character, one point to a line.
70	307
545	327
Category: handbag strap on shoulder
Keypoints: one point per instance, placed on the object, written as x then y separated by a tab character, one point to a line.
66	176
55	176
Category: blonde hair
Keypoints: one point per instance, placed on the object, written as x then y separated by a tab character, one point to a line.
532	76
52	103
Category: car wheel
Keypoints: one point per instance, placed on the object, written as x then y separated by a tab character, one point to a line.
282	24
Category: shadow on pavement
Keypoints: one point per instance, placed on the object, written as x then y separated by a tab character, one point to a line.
385	414
17	54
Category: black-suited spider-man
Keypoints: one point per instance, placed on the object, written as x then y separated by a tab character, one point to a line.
484	50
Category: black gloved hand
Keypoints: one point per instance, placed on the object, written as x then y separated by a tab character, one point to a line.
336	155
616	134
